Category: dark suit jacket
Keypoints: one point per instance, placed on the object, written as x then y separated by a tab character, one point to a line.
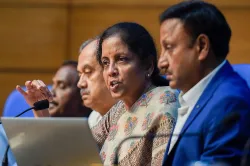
226	93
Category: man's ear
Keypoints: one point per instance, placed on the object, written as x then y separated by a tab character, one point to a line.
203	46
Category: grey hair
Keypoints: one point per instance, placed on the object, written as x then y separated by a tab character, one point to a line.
84	44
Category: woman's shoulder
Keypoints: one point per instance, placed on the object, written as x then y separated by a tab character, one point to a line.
119	105
117	110
166	96
165	90
166	99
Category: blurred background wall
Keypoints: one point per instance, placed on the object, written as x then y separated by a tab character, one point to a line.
36	36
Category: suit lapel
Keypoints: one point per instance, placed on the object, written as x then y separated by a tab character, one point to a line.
205	97
207	94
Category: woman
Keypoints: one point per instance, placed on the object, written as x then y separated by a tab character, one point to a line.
147	108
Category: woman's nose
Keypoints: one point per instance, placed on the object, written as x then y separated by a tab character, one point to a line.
112	71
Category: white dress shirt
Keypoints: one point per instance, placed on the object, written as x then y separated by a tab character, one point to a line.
94	118
188	101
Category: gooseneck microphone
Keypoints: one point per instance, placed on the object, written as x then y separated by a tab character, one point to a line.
229	120
39	105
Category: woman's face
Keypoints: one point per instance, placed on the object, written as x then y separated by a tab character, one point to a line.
123	72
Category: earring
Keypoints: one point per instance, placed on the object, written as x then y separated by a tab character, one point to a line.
148	75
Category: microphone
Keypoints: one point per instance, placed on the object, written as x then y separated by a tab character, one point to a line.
39	105
229	120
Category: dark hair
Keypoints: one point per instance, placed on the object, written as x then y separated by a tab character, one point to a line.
84	44
139	41
200	17
69	63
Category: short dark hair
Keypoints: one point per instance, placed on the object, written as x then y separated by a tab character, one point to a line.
84	44
69	63
201	17
73	64
139	41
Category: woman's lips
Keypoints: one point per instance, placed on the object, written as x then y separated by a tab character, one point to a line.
114	85
114	88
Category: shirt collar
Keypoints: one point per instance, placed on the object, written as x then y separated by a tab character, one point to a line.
191	97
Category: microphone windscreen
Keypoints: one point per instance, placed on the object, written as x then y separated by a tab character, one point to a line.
40	105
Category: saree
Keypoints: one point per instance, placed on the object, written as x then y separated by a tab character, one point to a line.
138	136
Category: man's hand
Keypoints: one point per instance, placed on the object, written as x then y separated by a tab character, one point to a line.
36	90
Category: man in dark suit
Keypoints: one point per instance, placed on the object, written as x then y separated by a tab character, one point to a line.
195	37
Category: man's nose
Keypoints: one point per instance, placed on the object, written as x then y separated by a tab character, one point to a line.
163	64
82	83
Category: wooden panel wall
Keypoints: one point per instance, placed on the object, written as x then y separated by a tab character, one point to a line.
36	36
92	16
33	42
